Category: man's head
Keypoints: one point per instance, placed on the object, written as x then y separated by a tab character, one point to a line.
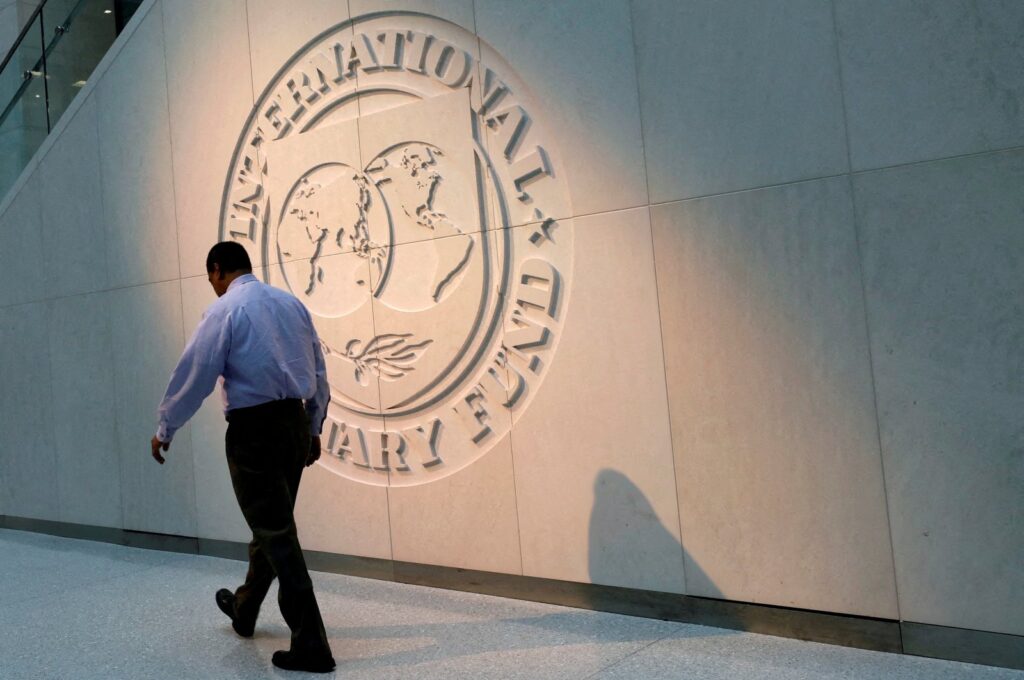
225	263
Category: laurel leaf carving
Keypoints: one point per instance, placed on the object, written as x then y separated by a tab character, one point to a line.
390	356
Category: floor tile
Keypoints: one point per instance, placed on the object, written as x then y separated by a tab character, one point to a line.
144	614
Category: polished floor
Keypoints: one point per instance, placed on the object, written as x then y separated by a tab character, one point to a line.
81	610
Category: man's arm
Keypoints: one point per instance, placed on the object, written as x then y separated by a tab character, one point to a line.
316	407
193	378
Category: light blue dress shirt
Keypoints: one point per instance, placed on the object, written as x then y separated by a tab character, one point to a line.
261	340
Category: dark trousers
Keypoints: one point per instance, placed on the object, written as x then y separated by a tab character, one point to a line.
266	451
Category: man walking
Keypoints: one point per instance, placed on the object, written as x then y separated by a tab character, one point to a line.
262	342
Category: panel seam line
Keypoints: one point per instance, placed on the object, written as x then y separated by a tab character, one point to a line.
867	320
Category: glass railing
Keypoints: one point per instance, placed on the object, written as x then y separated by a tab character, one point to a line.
48	64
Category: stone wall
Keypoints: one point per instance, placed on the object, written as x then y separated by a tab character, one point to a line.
753	275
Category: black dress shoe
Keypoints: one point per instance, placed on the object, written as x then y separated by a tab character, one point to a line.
291	661
226	602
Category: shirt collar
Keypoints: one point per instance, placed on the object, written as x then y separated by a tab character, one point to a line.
242	280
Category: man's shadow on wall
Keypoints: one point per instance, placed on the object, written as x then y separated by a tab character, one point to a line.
643	562
629	545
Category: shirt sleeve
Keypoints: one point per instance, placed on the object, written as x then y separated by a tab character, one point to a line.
196	374
316	407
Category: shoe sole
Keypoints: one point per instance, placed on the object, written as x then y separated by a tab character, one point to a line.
224	607
308	668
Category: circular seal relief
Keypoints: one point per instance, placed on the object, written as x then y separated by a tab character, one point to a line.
398	177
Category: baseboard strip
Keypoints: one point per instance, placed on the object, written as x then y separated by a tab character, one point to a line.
885	635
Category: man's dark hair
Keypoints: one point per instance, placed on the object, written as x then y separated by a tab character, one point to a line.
231	257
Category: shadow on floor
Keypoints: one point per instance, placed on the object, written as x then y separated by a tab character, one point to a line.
364	647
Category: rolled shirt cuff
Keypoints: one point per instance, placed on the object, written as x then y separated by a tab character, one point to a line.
316	425
165	433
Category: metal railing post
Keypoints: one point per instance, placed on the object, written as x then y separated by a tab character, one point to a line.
46	77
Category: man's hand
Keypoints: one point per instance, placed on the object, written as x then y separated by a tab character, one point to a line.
157	445
314	451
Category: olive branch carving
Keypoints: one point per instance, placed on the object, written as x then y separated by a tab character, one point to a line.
390	356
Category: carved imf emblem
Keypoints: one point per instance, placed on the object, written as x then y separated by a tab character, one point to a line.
394	178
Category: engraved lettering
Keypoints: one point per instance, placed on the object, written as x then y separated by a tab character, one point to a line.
299	86
273	114
531	362
517	384
244	192
540	286
527	334
331	440
348	442
449	64
502	379
494	91
328	67
473	412
377	450
415	48
391	49
394	450
367	449
528	168
424	443
242	227
325	71
360	53
509	124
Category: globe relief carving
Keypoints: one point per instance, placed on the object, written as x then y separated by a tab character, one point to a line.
398	178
